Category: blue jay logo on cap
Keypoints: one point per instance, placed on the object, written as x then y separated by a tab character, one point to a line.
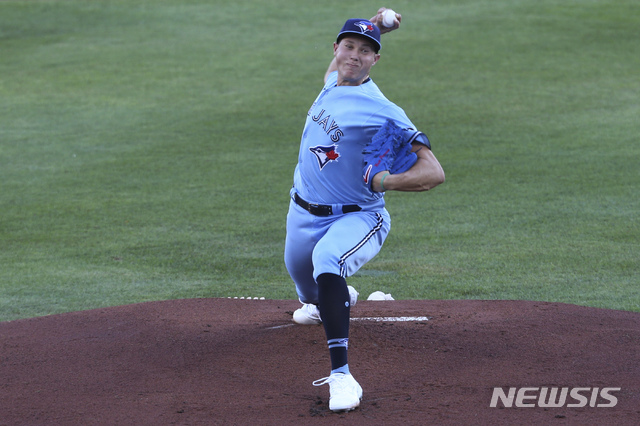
365	26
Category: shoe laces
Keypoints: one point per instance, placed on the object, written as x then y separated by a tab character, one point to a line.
322	381
334	380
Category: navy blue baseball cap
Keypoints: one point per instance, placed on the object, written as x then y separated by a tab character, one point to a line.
362	27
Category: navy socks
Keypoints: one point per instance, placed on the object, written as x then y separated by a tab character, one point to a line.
333	298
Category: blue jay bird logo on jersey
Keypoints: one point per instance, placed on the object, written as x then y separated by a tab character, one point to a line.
325	154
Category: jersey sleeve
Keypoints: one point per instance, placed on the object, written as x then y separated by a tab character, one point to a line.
415	136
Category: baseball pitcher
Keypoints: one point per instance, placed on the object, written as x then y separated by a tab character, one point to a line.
356	144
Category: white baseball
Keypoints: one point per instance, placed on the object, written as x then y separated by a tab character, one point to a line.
388	18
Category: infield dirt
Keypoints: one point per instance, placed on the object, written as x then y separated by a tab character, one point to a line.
238	362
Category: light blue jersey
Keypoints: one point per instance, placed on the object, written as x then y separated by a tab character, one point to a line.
339	124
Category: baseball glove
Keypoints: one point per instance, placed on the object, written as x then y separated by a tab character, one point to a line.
387	150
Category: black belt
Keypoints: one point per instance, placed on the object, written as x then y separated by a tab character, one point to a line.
324	210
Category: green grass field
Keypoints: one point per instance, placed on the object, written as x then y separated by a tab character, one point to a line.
147	149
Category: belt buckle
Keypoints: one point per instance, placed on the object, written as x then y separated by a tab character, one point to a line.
311	208
320	210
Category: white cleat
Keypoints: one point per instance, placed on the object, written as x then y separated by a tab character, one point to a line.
353	296
309	314
345	393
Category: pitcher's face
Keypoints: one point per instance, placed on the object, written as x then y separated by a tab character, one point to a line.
354	57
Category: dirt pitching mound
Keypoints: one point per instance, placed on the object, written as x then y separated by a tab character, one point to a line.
237	362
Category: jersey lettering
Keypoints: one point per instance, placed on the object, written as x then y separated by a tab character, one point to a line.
323	122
